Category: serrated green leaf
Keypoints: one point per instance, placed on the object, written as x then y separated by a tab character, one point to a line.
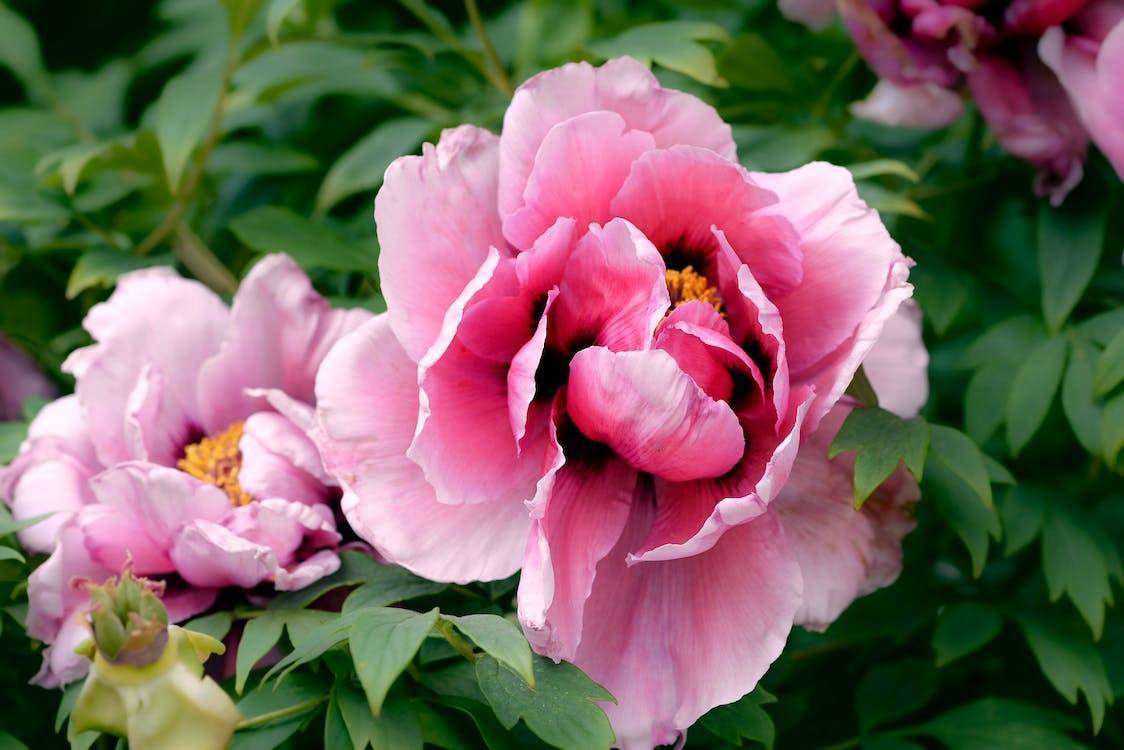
182	116
258	637
271	229
560	709
676	45
1070	238
362	166
1071	663
384	641
881	440
1032	391
964	628
893	691
1074	565
1110	366
743	720
501	639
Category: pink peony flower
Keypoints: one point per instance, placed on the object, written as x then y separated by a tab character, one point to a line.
183	450
20	379
605	341
1087	55
926	50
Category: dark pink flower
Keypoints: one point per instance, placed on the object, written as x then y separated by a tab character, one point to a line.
20	379
184	450
605	344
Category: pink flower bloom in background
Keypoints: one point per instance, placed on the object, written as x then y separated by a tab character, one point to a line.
184	449
20	379
605	345
1044	73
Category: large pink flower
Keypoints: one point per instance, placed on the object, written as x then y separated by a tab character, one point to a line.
20	379
605	341
183	450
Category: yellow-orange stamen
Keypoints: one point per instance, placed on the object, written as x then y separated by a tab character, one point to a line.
218	460
687	286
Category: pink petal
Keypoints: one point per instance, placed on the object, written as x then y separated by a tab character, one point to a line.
843	553
279	331
367	397
671	640
59	486
923	105
436	218
652	414
464	442
540	268
308	571
156	319
20	379
675	196
613	292
1092	82
581	518
579	167
157	425
898	363
280	460
854	279
210	555
624	86
521	385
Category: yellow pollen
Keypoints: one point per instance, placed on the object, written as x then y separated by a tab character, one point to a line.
218	460
687	286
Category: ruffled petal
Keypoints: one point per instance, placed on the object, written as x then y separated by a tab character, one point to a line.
209	554
650	412
671	640
280	460
623	86
280	329
924	105
367	397
436	217
579	167
897	366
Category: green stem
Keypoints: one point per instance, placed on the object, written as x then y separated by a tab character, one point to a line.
460	645
280	713
819	109
202	263
501	80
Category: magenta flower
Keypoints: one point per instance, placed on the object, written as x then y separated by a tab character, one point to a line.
1043	73
20	379
183	450
605	340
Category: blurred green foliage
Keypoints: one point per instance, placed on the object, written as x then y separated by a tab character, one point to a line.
204	134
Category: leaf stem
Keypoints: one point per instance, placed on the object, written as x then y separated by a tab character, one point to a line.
202	263
460	645
280	713
502	80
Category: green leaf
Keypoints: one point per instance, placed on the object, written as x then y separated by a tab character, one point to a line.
275	17
1033	390
71	161
389	584
956	452
1110	366
750	63
985	399
8	741
384	641
964	628
992	723
335	730
362	166
886	201
673	44
10	553
19	52
1074	565
560	709
240	13
21	205
1081	408
881	168
743	720
1101	328
893	691
881	440
1070	238
1071	664
12	435
396	728
495	736
500	638
316	641
216	625
182	116
355	568
100	267
259	636
1008	342
1112	429
271	229
252	158
1024	511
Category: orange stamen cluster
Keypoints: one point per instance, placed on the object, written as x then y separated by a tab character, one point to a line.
687	286
218	460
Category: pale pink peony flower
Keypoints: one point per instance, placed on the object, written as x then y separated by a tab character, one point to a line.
183	450
605	339
20	379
